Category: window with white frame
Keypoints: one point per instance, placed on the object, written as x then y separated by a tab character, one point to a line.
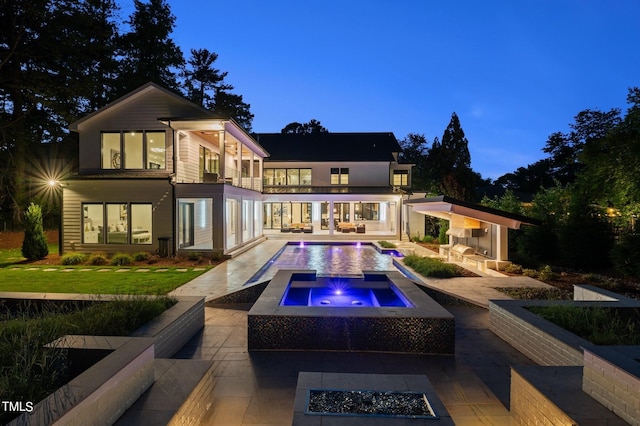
117	223
134	150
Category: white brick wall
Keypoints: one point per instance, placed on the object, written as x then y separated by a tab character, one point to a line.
612	386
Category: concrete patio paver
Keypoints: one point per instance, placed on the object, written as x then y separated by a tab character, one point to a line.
260	386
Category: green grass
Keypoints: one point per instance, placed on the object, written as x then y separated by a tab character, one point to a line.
18	277
431	267
88	279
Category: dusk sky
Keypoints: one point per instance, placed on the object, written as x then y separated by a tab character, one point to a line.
514	71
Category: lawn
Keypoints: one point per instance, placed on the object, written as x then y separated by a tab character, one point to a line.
95	280
18	276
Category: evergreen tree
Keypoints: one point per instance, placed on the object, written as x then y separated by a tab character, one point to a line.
205	86
149	53
202	80
449	161
46	78
414	151
313	126
34	245
231	105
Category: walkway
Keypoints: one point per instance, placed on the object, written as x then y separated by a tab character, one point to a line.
259	388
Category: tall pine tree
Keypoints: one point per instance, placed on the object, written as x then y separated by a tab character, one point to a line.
449	161
149	53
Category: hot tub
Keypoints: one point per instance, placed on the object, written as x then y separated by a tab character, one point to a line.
380	311
373	290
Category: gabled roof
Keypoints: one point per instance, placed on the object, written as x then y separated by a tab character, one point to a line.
198	111
444	206
330	146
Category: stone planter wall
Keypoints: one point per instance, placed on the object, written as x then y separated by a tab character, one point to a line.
106	390
175	327
540	340
611	376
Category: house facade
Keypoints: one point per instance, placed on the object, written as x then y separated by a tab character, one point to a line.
158	173
333	183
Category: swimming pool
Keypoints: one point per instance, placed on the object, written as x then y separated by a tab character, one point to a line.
327	259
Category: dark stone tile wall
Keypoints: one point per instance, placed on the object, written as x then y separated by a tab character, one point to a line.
378	334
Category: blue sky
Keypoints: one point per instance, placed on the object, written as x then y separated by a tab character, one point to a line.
514	71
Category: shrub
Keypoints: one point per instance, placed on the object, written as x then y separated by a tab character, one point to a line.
431	267
121	259
513	268
98	259
443	238
535	293
428	239
142	256
530	273
194	256
73	258
34	246
386	244
546	274
599	325
626	255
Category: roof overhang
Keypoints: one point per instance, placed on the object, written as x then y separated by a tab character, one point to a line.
216	124
444	207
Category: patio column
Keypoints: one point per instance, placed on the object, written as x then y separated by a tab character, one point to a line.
222	143
251	159
239	163
502	243
331	228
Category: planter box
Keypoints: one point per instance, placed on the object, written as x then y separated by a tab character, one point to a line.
103	393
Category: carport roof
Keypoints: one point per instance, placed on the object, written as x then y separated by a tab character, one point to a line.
443	207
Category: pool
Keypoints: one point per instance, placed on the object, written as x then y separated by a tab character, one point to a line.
345	259
373	290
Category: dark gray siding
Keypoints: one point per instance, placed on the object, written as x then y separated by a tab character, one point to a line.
159	193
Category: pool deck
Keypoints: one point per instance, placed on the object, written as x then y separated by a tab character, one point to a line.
259	387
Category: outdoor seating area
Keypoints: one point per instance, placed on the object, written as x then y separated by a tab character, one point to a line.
306	228
345	227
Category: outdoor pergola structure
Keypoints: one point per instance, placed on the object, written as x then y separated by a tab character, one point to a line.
480	228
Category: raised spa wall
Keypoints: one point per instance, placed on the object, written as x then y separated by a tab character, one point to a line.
424	328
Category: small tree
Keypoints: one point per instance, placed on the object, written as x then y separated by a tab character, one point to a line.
34	246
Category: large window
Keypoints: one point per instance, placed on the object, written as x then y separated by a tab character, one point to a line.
290	177
117	223
135	150
339	176
367	211
400	178
277	215
209	162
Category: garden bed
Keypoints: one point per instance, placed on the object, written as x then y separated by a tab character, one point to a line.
123	368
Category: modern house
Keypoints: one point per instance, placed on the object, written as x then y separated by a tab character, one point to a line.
333	183
158	173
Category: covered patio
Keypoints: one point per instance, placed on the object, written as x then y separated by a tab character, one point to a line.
478	235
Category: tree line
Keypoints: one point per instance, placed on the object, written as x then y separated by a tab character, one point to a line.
586	193
61	60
